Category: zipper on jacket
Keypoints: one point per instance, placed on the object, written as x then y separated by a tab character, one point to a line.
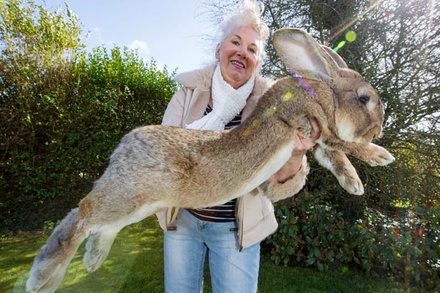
239	223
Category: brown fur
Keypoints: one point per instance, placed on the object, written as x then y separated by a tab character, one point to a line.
155	167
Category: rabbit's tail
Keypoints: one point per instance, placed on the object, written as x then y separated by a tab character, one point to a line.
51	262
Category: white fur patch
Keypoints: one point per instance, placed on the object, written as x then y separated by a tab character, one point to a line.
138	215
271	167
323	160
345	131
370	106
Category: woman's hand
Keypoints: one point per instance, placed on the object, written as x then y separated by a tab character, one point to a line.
302	145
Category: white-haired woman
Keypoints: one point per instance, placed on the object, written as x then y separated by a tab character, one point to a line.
215	98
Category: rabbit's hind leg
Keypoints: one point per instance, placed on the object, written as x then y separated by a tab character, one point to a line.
99	244
50	264
98	247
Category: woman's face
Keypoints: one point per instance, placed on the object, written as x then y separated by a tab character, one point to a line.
238	56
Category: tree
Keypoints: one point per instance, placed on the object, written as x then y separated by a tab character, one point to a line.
36	52
397	50
63	110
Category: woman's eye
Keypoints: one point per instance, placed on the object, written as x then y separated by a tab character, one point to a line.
236	43
252	50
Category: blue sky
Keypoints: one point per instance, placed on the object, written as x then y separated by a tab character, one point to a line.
170	31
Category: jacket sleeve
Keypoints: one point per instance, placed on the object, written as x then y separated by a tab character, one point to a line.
174	113
276	191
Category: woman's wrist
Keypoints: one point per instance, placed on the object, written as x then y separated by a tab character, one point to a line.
283	179
290	169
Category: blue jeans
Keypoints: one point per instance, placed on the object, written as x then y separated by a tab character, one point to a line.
186	248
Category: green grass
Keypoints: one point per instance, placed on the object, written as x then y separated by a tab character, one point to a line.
135	264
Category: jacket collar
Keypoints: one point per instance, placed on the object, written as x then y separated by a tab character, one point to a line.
202	79
199	78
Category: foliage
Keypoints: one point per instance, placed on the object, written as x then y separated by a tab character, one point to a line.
397	51
63	111
312	233
135	264
398	47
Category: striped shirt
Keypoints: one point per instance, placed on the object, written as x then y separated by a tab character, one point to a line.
226	211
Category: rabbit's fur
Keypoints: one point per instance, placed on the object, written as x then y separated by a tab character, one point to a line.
156	167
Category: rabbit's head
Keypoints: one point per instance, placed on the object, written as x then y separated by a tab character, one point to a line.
355	111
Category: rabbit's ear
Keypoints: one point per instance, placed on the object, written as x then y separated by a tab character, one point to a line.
336	58
301	53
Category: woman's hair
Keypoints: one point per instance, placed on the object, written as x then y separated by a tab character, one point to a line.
248	14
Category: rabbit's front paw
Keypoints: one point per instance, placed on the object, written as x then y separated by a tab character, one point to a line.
351	182
379	156
338	163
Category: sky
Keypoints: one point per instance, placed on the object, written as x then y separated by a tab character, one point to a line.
173	32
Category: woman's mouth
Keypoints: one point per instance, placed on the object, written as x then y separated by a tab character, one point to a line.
238	64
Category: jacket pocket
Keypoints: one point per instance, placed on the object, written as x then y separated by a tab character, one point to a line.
255	217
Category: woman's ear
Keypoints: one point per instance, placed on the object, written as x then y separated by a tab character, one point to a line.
217	52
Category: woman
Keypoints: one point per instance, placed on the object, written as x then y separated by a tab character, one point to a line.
220	97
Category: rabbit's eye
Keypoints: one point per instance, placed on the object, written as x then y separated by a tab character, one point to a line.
364	99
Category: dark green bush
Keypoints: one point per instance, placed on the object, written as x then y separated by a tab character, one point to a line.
310	232
313	233
74	126
63	111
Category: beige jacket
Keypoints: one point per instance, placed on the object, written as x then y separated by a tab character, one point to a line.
254	211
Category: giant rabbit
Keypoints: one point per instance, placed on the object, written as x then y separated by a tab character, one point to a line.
155	167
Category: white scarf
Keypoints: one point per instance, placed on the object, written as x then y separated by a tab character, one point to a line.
227	103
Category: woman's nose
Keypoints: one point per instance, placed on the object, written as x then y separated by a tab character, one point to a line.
242	53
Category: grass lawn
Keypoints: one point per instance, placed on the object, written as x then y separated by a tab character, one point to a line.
135	264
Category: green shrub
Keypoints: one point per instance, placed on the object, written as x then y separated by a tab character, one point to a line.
312	233
74	128
63	111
